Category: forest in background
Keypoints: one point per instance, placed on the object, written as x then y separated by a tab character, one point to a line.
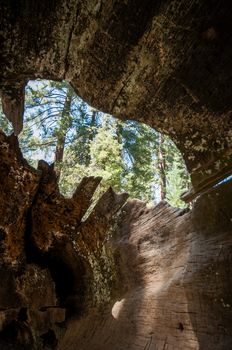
81	141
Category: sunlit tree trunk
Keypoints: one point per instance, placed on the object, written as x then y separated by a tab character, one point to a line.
64	125
162	167
90	136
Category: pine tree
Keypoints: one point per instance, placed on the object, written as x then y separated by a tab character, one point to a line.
139	142
177	181
105	151
162	165
130	156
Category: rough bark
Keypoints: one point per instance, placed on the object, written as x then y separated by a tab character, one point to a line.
174	270
155	278
175	280
141	279
165	63
53	264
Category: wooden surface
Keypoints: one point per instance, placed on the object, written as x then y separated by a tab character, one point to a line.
175	285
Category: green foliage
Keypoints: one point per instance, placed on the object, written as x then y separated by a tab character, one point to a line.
106	159
178	182
139	144
71	173
129	156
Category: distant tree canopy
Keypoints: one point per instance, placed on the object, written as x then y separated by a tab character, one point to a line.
82	141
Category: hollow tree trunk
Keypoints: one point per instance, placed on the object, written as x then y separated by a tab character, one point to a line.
155	278
167	63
